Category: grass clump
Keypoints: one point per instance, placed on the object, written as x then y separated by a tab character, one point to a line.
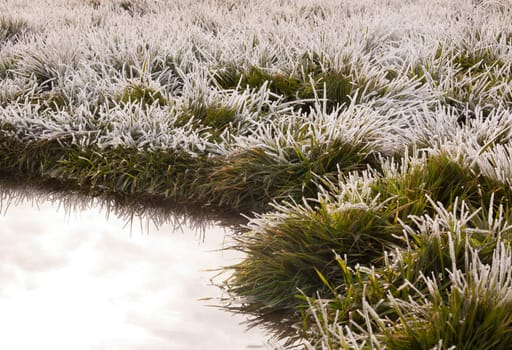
470	79
292	249
283	85
438	176
289	159
7	62
53	100
472	313
131	6
142	94
309	80
441	177
130	173
123	172
213	117
11	29
468	310
95	4
43	71
435	243
253	178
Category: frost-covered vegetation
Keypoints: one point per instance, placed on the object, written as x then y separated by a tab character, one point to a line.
368	142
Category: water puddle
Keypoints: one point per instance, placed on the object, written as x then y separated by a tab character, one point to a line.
72	279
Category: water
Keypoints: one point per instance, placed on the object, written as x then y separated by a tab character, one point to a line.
75	280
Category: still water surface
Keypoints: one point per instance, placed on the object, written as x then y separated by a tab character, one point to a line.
77	280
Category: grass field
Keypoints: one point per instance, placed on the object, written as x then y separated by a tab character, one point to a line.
368	143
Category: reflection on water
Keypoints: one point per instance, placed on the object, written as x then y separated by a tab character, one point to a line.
70	279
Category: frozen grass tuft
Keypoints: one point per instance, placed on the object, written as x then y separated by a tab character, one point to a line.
472	313
12	28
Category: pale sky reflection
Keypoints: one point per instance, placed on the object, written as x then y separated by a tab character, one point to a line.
84	282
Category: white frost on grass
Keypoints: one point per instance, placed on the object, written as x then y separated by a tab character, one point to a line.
405	61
